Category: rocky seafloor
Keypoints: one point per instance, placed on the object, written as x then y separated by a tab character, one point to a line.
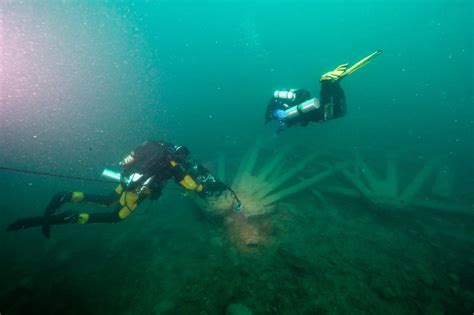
304	258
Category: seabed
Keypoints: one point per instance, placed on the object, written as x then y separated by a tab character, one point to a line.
342	233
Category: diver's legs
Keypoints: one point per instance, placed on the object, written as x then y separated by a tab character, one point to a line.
103	200
57	201
333	99
339	97
62	197
326	93
331	91
126	204
63	218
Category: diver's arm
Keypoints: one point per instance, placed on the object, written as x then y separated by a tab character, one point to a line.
197	178
271	106
213	187
184	178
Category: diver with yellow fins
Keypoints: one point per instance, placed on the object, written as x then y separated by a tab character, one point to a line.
144	172
291	107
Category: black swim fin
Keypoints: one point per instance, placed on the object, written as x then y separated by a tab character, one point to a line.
43	221
26	223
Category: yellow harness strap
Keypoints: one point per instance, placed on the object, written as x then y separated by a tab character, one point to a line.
128	201
119	189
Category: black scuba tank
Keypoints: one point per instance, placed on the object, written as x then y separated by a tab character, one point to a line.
149	159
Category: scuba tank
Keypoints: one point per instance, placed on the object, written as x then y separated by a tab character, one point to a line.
128	181
285	95
131	182
291	96
110	174
302	108
119	177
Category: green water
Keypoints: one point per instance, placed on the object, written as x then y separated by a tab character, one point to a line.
83	83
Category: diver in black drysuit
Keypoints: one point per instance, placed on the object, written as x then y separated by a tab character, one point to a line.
145	171
331	105
296	107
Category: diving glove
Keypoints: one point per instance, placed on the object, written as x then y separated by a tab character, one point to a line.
214	188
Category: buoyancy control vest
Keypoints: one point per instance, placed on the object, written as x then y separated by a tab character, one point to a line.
151	159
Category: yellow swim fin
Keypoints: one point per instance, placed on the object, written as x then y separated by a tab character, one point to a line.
359	64
341	71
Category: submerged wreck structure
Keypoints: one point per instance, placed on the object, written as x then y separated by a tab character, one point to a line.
260	182
431	187
263	179
260	188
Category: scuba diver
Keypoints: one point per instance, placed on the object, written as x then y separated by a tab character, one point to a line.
144	172
295	106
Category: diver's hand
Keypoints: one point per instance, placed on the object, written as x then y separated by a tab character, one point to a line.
335	74
215	188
